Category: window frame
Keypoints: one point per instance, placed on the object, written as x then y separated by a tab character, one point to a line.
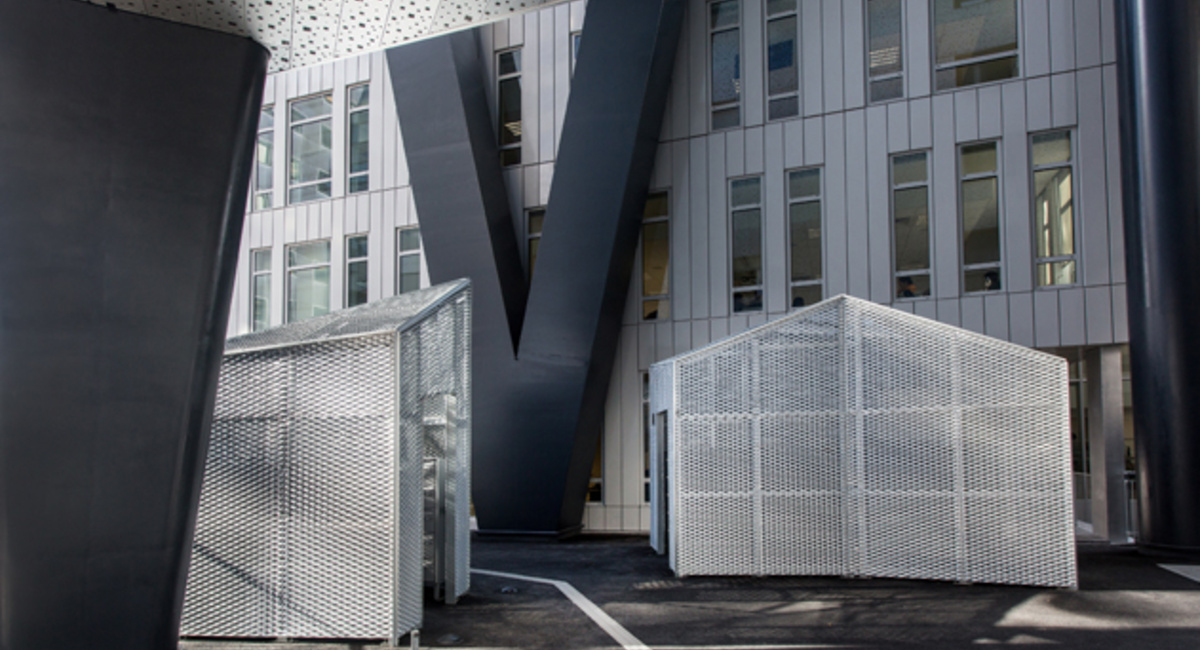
350	111
761	287
292	124
894	187
1074	257
255	192
714	108
789	201
794	94
288	270
904	45
664	297
500	78
999	264
255	273
527	256
937	67
364	259
417	252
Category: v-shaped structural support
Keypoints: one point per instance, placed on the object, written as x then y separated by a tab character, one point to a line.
543	356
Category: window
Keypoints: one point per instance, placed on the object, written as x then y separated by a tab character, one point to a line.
308	280
311	149
534	219
356	270
264	158
980	206
975	41
646	437
745	201
656	258
595	490
783	79
804	235
260	289
1053	208
508	66
885	60
359	121
576	38
910	224
726	64
408	260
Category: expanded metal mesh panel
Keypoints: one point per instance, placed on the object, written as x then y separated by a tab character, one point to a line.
851	438
310	518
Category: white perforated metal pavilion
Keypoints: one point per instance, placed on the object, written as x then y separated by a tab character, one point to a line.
850	438
338	474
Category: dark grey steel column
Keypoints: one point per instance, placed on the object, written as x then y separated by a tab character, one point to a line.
538	412
125	148
1158	67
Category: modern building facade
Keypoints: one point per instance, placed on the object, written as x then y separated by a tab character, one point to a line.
958	160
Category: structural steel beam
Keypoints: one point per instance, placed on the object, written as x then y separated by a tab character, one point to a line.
538	410
125	150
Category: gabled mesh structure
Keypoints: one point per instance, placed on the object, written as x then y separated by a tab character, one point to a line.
312	508
853	439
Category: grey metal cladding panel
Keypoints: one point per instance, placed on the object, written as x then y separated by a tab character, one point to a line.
918	60
111	352
854	54
1035	43
1062	35
831	62
879	225
1090	183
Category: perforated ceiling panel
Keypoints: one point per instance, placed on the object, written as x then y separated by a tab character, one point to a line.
305	32
854	439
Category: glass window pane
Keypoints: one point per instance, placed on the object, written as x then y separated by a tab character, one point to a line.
304	254
912	286
1053	212
805	295
410	239
356	283
884	18
981	223
264	172
909	168
724	14
310	192
886	89
307	109
781	55
410	273
658	309
261	302
262	201
360	96
1051	148
977	73
360	125
804	183
656	205
536	219
747	301
979	158
308	293
510	62
747	248
805	230
1056	273
967	29
312	152
981	280
262	260
911	228
656	252
266	119
726	67
784	107
510	156
780	6
356	247
510	111
726	118
744	191
359	184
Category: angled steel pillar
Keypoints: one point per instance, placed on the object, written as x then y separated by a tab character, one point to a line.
542	364
1158	71
125	149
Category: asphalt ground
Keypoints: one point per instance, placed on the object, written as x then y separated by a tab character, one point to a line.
1125	600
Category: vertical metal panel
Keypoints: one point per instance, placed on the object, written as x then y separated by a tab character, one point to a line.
897	128
995	316
926	308
793	148
944	164
1045	319
775	220
682	336
547	122
701	333
664	342
698	220
948	311
971	308
1120	317
1015	180
1087	33
531	87
1072	317
1062	96
879	222
1108	35
644	335
1098	303
854	54
679	99
754	150
918	58
832	66
754	53
718	228
562	70
719	328
814	141
1020	318
811	54
920	127
990	122
966	115
697	97
834	177
681	219
1062	35
1113	182
859	257
1091	213
735	153
1038	107
1035	44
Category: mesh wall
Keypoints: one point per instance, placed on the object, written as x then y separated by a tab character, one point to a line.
311	510
850	438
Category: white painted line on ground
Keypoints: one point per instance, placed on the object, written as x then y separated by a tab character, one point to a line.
614	629
1189	571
